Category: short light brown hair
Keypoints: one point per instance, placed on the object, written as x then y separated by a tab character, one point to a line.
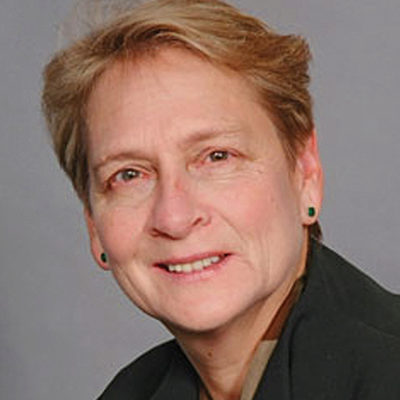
275	65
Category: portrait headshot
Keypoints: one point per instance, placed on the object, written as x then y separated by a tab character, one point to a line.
209	210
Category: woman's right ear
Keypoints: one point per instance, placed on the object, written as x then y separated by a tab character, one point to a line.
96	247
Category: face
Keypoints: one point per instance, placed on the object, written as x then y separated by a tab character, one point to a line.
191	194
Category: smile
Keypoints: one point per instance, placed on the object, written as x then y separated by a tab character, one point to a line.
196	266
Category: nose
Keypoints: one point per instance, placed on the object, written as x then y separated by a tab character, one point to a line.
177	210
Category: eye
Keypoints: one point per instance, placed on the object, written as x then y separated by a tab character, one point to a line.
134	182
125	176
219	155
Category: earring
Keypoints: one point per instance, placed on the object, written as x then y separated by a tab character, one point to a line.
103	257
311	211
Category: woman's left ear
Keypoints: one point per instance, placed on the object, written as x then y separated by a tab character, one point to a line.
310	178
95	244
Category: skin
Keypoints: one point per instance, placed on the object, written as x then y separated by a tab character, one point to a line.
185	164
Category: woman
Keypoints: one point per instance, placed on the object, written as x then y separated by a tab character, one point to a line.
186	129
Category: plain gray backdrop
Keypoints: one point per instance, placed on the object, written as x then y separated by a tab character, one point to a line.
65	328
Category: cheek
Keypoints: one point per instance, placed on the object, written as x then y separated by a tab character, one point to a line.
119	229
264	215
257	201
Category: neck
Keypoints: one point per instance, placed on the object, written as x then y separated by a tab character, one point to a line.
222	356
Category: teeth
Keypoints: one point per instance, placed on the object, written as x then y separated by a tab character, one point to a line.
196	266
207	262
187	268
178	268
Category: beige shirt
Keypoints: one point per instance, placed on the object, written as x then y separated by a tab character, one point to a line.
257	367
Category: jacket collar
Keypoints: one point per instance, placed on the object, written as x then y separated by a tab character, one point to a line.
312	346
180	382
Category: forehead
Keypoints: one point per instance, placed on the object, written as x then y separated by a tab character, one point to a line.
171	72
168	95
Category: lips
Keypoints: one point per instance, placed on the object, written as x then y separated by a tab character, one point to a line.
191	264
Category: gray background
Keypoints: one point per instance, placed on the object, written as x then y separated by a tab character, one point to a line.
65	328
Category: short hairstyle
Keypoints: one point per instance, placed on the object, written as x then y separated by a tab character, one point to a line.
275	65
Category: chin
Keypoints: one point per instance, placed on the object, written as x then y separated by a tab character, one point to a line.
197	327
204	320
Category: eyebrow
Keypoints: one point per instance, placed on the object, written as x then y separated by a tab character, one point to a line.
208	134
196	137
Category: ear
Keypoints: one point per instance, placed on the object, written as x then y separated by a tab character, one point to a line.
310	174
95	244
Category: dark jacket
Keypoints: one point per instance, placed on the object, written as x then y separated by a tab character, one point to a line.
340	342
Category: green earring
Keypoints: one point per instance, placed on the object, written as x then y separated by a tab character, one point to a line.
311	211
103	257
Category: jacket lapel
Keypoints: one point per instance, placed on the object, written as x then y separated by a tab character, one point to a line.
180	382
312	359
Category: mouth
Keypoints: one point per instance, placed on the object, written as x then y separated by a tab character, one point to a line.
195	265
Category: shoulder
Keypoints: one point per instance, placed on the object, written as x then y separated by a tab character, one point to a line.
356	296
140	379
359	319
345	329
